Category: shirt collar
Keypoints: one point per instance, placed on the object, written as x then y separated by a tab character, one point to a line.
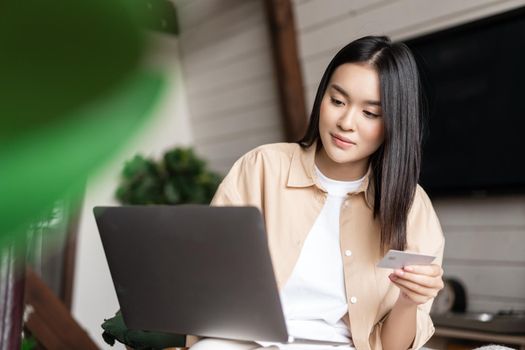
302	173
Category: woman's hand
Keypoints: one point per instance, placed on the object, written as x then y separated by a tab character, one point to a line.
418	283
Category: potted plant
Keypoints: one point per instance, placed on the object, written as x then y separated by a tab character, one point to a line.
181	177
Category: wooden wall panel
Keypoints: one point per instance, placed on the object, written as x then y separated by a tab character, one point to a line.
230	78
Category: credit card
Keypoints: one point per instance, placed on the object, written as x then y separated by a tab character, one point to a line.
397	259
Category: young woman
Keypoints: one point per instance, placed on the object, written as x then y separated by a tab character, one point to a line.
336	201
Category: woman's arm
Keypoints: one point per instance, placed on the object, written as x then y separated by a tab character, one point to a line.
417	284
399	329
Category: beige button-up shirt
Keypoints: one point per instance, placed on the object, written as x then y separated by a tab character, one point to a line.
280	180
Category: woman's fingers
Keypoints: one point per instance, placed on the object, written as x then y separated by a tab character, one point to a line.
433	270
429	292
418	283
428	281
412	296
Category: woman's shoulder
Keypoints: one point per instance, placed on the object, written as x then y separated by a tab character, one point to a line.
421	198
421	205
423	226
260	167
270	152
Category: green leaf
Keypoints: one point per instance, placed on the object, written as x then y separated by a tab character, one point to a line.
72	91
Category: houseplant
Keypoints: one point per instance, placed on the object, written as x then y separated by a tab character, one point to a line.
181	177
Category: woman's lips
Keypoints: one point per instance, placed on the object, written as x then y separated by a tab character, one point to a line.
341	142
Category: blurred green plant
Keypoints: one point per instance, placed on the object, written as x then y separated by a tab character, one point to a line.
181	177
70	70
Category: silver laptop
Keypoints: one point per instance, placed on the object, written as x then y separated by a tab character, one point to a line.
194	269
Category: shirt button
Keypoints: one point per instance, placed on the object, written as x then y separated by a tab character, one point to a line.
348	252
353	300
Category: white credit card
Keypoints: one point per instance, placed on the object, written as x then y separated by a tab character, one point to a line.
396	259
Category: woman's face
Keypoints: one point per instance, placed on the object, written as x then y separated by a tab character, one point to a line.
351	123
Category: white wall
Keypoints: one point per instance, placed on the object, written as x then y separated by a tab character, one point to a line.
232	88
486	235
486	249
94	296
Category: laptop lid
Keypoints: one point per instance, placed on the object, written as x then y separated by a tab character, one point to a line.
193	269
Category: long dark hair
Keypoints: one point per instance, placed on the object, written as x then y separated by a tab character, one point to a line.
396	163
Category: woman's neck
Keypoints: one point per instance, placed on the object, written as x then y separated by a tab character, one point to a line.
349	171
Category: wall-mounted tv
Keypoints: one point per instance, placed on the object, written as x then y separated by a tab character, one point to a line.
474	80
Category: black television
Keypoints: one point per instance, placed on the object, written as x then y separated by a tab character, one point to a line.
473	77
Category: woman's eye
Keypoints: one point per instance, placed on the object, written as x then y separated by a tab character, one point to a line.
336	102
370	114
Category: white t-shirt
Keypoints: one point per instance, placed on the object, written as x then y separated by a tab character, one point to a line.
314	297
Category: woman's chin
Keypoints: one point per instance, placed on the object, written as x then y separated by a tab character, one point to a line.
337	157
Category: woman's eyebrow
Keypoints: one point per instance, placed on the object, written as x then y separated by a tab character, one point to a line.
344	93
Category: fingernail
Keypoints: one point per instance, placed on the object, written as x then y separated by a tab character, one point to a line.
399	272
409	268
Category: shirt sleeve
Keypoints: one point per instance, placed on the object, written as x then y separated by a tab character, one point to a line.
425	236
242	186
226	193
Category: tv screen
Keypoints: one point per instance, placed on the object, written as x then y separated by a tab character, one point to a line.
474	81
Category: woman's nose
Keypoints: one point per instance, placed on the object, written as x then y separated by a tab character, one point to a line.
347	120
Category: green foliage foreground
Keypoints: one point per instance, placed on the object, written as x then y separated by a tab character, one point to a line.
72	91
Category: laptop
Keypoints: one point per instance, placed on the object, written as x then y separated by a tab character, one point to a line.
194	269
